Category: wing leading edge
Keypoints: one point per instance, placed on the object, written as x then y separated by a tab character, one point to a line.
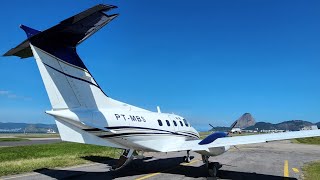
242	140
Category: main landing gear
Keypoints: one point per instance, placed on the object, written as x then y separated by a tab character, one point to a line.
125	158
213	167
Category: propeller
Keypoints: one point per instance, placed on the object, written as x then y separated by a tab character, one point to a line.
232	126
228	134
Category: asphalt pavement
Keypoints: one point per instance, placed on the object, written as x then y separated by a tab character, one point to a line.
276	160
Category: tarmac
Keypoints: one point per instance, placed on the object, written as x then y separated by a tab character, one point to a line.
274	160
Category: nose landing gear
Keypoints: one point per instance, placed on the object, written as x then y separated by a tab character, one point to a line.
187	158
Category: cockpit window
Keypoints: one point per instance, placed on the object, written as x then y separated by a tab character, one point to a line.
168	123
185	122
160	122
181	123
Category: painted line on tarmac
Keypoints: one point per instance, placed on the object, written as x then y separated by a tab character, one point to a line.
286	169
295	170
157	173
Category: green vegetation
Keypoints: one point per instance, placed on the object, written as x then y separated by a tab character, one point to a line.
21	159
31	135
311	140
12	139
204	134
311	171
37	135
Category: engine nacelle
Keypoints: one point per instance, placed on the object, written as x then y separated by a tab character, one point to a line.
212	137
216	150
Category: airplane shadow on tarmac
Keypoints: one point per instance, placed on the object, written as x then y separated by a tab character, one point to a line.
138	168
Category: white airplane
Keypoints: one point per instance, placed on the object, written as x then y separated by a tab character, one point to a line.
85	114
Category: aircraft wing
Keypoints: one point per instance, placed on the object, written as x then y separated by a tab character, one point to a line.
250	139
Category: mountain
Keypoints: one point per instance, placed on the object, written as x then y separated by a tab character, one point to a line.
262	125
293	125
318	124
245	121
25	127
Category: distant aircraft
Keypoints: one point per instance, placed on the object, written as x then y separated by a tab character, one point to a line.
85	114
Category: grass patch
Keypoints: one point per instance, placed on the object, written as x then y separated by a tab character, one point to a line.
311	140
21	159
12	139
204	134
311	171
37	135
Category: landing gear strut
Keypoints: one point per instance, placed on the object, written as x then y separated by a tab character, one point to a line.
187	158
125	158
213	167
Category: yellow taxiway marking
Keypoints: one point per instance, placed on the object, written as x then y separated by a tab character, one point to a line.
295	170
148	176
286	169
154	174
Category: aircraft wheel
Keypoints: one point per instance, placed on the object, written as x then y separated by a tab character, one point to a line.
213	169
186	159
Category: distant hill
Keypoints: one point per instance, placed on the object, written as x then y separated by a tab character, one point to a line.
318	124
245	121
293	125
262	125
25	127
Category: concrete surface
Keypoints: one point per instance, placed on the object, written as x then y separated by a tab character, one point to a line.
258	161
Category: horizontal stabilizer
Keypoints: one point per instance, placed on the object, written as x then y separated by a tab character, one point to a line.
68	33
23	50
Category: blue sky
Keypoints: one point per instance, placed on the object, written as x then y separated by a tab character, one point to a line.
209	61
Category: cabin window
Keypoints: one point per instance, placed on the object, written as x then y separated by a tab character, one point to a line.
181	123
185	122
160	122
168	123
175	123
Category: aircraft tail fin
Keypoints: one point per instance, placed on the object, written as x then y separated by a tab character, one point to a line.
68	82
69	33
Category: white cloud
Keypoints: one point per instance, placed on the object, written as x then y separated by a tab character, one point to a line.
11	95
4	92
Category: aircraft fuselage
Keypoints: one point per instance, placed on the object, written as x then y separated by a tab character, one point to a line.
147	131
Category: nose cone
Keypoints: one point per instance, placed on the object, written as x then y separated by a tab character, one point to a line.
196	132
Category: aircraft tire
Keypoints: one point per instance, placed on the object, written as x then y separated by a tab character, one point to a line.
186	159
213	169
